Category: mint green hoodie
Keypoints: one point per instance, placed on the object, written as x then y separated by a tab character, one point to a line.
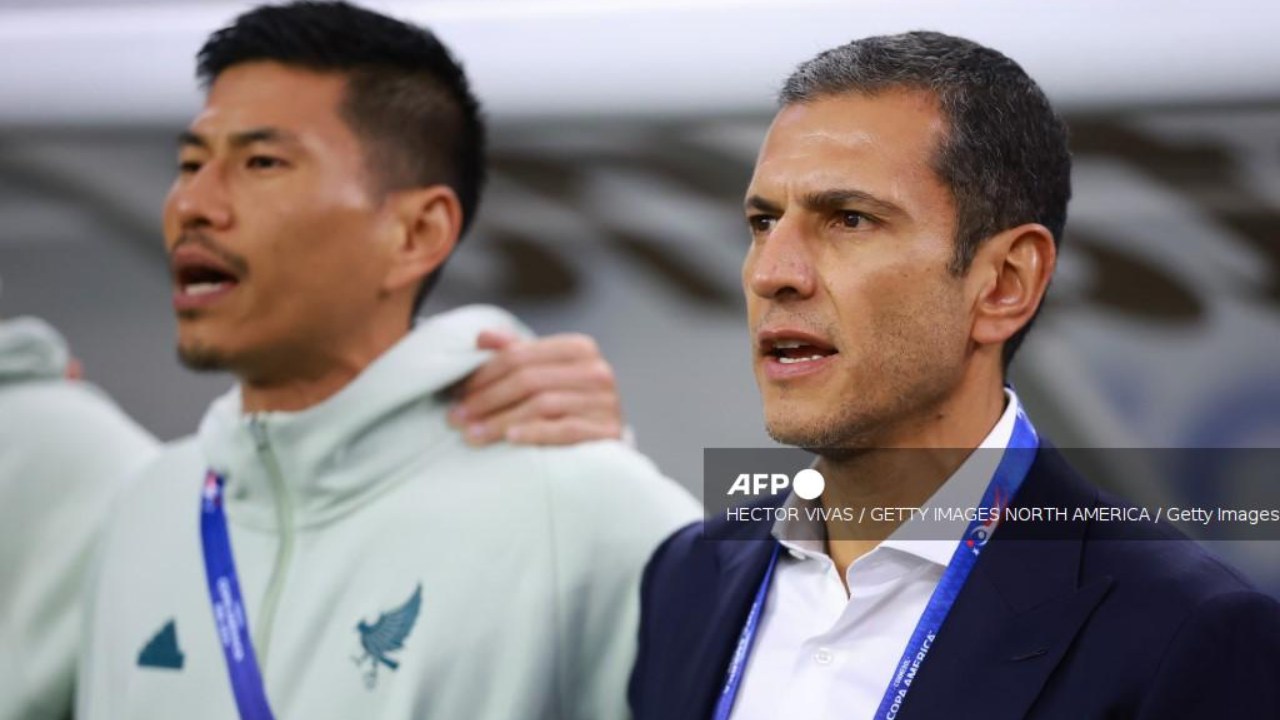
65	451
515	569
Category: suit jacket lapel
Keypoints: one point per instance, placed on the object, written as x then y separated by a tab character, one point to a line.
1018	613
741	568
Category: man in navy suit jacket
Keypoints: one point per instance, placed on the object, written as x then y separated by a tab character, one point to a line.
905	215
1091	620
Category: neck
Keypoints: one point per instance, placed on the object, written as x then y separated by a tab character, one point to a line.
306	379
924	451
296	393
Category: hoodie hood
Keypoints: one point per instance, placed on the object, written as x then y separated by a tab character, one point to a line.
30	349
333	455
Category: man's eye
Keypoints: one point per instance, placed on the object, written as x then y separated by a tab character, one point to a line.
851	219
263	162
761	223
188	167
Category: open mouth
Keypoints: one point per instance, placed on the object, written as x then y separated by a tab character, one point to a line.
199	277
198	280
790	352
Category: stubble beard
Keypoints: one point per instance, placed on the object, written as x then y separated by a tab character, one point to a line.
202	358
846	434
910	384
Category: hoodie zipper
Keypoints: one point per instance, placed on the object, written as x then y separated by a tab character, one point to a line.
284	551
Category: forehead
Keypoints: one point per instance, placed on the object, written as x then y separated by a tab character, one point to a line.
882	144
269	94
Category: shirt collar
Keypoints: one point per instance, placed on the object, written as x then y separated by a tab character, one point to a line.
963	489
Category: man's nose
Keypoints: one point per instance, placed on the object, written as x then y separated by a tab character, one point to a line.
201	199
780	265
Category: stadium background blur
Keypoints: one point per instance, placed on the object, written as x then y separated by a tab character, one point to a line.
623	135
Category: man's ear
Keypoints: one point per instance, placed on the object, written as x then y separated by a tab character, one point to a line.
426	223
1013	269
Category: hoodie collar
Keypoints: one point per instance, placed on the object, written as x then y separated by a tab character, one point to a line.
30	349
334	456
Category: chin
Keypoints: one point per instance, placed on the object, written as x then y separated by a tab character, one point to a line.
823	432
202	357
791	428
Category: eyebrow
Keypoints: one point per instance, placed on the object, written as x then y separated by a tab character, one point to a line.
828	200
188	138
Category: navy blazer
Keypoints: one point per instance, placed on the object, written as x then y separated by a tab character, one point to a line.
1072	622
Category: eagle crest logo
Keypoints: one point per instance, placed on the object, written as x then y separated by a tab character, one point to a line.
386	636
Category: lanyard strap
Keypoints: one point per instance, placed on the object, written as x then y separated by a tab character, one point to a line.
1008	477
228	606
748	637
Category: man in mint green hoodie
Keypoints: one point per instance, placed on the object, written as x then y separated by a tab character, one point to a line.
65	450
326	546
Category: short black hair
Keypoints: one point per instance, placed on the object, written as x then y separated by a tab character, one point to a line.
407	98
1004	155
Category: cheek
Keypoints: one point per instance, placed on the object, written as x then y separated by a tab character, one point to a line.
895	309
752	299
928	320
332	260
350	192
306	232
169	220
748	267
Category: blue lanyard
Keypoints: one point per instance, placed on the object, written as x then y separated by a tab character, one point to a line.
1009	475
228	606
745	641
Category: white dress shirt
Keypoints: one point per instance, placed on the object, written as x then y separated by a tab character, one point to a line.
822	653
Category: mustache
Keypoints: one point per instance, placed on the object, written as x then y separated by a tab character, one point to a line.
801	319
232	260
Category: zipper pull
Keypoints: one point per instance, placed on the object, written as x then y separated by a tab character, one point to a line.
258	429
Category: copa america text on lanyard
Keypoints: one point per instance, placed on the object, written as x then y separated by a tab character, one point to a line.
1008	477
228	605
